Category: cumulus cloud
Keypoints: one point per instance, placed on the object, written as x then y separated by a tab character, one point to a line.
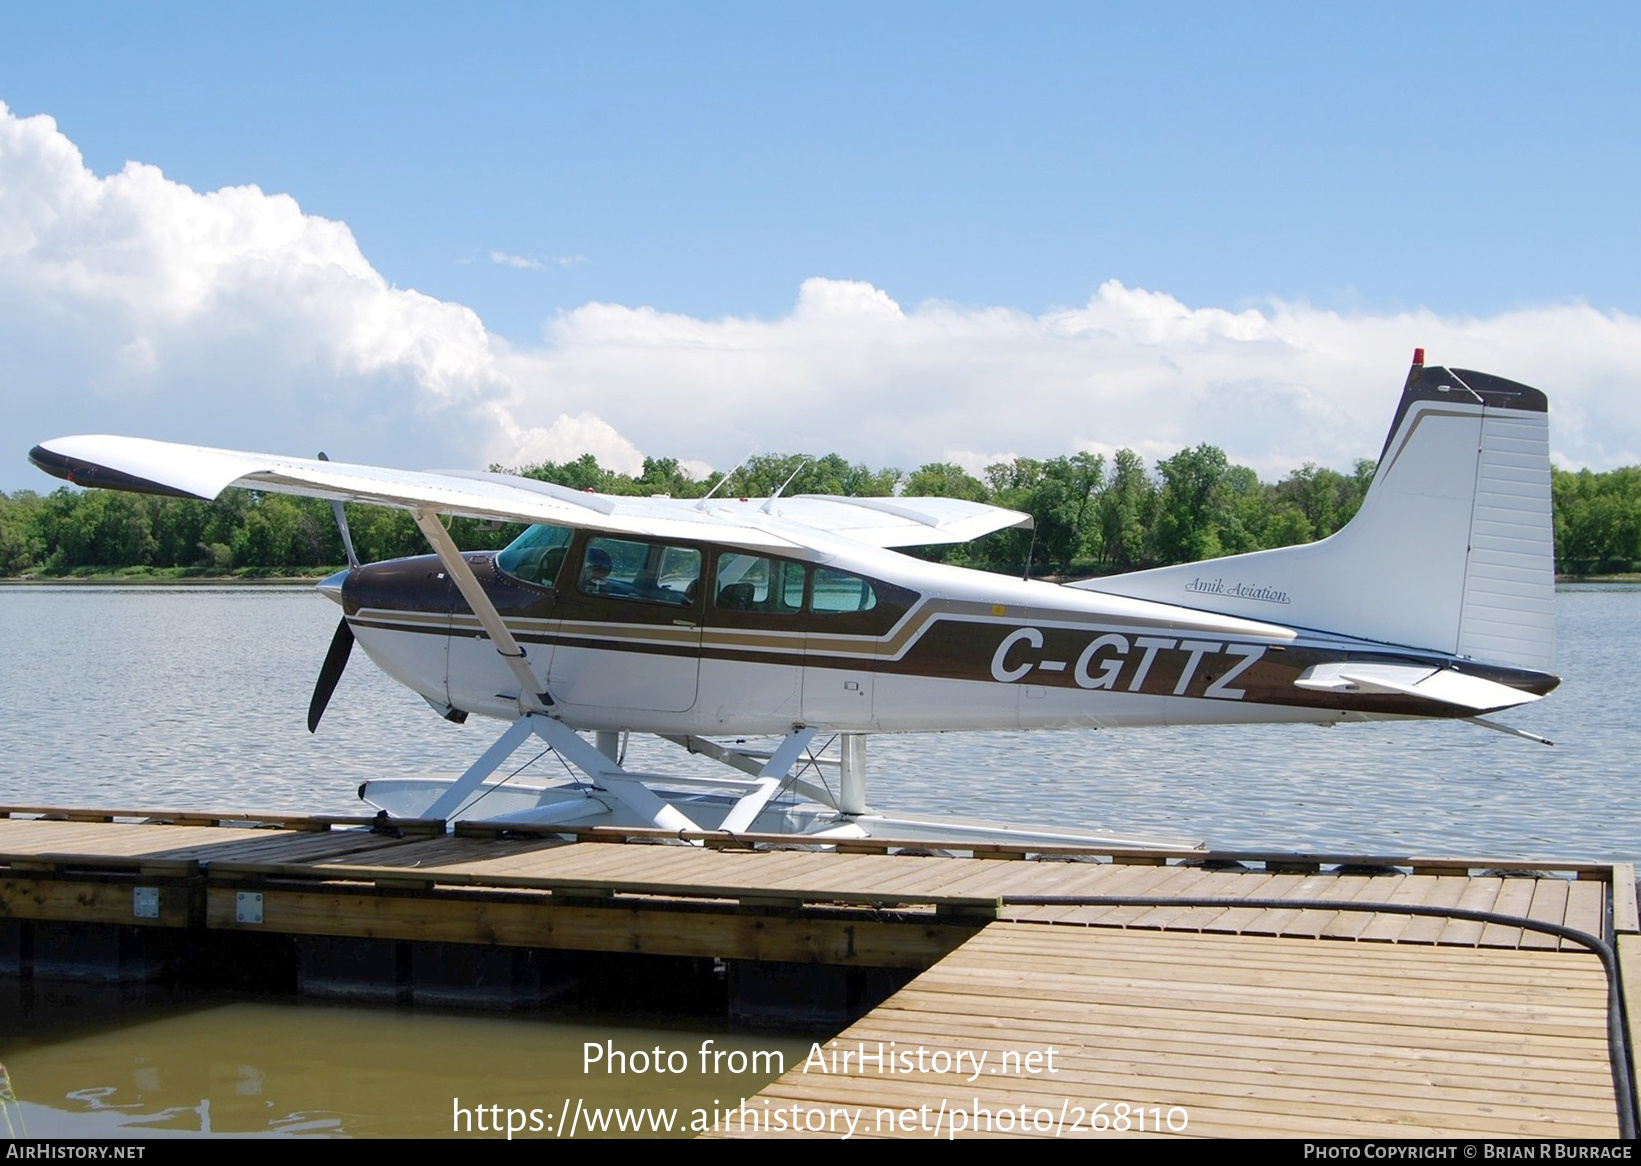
850	369
566	439
131	303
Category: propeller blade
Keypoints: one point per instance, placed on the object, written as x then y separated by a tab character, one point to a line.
341	644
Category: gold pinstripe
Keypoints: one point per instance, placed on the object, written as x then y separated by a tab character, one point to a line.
891	646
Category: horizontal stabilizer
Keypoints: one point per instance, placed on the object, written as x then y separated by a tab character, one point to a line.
1442	685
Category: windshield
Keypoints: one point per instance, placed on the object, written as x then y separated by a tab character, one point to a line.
537	554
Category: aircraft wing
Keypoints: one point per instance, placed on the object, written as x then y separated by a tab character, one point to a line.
188	471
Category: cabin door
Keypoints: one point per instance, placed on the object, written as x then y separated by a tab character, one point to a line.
630	626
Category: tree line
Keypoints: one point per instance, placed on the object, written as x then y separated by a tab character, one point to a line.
1094	515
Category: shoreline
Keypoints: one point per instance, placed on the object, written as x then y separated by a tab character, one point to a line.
113	579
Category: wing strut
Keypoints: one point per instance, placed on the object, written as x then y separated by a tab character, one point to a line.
472	590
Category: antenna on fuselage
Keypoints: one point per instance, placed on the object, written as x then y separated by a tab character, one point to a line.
702	504
1031	549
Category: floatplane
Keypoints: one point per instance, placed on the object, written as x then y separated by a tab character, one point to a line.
714	621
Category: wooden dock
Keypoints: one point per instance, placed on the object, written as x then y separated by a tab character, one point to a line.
1243	994
1218	1035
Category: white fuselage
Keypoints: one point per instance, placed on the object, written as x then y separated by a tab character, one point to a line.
971	650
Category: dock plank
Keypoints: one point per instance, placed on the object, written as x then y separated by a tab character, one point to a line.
1515	898
1586	909
1444	891
1411	890
1480	894
27	839
1547	904
1625	915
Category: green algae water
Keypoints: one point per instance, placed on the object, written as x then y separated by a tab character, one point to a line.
108	1064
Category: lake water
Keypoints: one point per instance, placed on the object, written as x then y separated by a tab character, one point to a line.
196	698
184	697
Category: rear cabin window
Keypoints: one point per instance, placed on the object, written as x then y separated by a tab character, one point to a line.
536	555
836	592
650	572
758	583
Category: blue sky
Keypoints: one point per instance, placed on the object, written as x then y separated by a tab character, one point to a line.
1420	171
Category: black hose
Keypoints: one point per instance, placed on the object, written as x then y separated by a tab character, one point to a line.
1618	1045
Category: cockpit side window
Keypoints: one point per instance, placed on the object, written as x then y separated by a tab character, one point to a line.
651	572
536	555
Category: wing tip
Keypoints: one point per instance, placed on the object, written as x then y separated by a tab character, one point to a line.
79	472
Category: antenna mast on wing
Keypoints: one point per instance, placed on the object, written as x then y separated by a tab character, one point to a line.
705	498
803	460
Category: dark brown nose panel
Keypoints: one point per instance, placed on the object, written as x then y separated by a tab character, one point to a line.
418	584
421	584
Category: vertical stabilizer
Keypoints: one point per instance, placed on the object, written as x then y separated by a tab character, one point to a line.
1452	549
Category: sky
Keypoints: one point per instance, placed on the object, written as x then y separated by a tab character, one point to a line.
439	235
